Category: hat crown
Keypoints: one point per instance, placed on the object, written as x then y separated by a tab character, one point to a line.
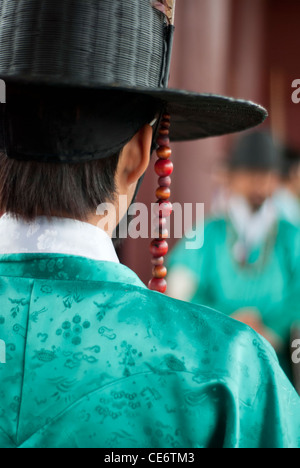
88	42
256	151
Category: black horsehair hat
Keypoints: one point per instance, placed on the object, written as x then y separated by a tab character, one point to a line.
83	76
256	151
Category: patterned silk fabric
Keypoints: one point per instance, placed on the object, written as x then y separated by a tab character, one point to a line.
94	359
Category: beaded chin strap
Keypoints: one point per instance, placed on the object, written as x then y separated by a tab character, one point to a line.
163	168
163	208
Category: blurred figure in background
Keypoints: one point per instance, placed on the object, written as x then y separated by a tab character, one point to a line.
287	198
249	259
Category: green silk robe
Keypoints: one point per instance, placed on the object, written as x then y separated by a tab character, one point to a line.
95	359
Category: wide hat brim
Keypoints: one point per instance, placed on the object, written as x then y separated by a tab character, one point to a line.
96	52
194	115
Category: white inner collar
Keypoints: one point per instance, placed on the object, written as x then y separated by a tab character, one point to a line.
57	235
252	228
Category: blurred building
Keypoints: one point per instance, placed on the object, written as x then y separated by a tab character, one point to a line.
242	48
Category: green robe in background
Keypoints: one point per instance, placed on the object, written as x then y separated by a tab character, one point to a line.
270	282
264	284
95	359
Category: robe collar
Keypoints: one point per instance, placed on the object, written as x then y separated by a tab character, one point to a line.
60	249
66	268
55	235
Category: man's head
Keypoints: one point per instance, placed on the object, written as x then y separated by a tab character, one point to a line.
254	168
255	186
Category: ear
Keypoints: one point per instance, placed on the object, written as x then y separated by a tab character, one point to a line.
134	159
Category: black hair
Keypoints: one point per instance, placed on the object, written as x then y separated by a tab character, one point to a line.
29	189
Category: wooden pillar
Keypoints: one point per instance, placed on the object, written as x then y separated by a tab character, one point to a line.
248	50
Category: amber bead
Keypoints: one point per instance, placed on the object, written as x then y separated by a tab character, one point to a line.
163	140
163	167
158	261
165	181
159	224
162	209
159	271
164	131
162	222
166	117
165	209
164	152
161	234
159	248
158	284
163	193
166	123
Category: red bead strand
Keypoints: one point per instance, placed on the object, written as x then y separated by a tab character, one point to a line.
163	209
